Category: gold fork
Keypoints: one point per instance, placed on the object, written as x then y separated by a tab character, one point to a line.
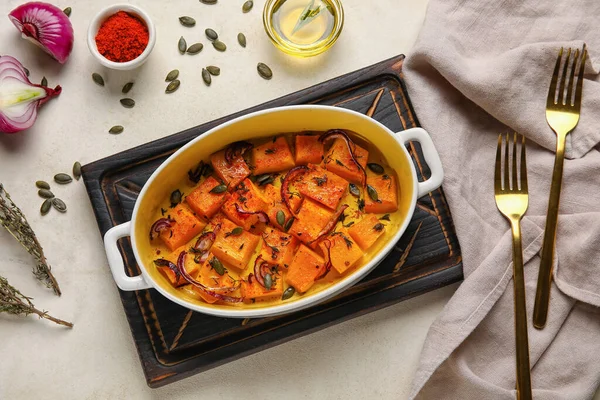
512	199
562	115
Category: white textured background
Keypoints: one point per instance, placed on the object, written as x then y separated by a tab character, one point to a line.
371	356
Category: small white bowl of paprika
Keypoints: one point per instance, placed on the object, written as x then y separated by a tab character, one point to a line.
121	37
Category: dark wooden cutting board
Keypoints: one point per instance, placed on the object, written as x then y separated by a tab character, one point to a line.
174	342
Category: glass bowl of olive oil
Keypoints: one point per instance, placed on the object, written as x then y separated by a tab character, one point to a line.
303	28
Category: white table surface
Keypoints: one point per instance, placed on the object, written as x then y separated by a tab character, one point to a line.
375	355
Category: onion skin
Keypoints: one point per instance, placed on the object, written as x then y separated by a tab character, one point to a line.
159	225
340	134
328	265
262	216
47	26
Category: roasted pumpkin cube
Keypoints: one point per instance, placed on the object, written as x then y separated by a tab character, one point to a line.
275	204
209	277
251	289
173	277
323	186
234	250
339	161
309	150
185	227
304	269
387	194
366	232
248	199
278	248
232	174
344	252
273	156
203	201
312	218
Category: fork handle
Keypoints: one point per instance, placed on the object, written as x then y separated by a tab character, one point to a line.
542	294
521	336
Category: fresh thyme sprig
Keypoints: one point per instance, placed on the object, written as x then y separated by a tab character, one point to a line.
13	219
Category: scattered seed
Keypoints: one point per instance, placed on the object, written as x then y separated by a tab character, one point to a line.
45	193
173	86
195	48
264	71
242	39
42	185
372	193
67	11
270	179
182	45
216	71
220	46
208	1
206	77
115	130
288	224
353	189
280	218
77	170
264	179
288	293
62	178
45	206
26	71
378	169
59	205
44	81
217	265
98	78
237	231
127	87
187	21
219	189
268	281
175	197
171	76
247	6
127	103
211	34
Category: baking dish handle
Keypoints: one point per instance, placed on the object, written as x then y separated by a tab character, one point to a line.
431	156
115	260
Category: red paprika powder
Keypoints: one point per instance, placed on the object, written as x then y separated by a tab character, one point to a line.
122	37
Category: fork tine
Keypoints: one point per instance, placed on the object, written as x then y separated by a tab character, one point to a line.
498	169
579	89
506	168
570	95
552	90
561	90
524	187
515	187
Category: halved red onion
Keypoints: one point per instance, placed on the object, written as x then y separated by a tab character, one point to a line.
328	264
340	134
285	184
331	224
262	216
47	26
236	149
160	225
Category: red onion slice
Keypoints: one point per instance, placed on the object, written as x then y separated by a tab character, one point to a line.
328	265
160	225
331	224
285	184
258	270
205	241
236	149
161	262
262	216
340	134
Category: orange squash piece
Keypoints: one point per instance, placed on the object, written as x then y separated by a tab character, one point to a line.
323	186
210	278
344	252
185	227
248	198
387	194
308	149
366	232
312	218
278	248
203	202
305	267
190	266
273	156
275	204
339	161
251	289
234	250
232	174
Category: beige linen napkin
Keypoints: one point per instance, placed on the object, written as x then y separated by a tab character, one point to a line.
480	68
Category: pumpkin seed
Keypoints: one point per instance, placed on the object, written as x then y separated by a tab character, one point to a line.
216	71
187	21
59	205
217	265
262	178
218	45
241	39
195	48
264	71
288	224
77	170
44	81
237	231
173	86
45	206
62	178
171	76
211	34
208	1
268	281
127	87
378	169
206	77
45	193
175	197
280	218
386	217
219	189
353	189
372	193
127	103
98	78
42	185
288	293
182	45
26	71
115	130
247	6
67	11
